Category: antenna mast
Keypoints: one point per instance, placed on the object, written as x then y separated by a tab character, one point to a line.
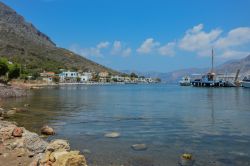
212	60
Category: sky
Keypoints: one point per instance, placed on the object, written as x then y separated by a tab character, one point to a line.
144	35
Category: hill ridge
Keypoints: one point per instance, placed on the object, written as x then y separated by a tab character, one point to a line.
21	42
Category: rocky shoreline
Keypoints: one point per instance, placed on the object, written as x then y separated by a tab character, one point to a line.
21	147
11	91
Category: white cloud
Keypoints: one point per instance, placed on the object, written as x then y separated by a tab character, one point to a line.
102	45
168	49
232	44
197	40
235	37
102	49
147	46
92	51
120	49
234	54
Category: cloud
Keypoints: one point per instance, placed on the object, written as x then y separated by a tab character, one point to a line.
232	54
102	45
101	49
119	49
197	40
147	46
235	37
227	45
92	51
168	49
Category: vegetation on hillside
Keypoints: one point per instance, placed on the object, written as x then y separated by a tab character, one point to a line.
8	70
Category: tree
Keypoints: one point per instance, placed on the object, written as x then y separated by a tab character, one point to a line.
3	67
133	75
14	71
78	79
158	79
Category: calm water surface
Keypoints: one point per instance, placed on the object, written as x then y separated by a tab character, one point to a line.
211	123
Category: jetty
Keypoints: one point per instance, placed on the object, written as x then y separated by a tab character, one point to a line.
211	79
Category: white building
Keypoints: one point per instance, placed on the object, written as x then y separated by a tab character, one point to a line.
118	78
68	76
85	77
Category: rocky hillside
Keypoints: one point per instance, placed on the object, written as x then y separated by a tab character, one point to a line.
233	66
21	42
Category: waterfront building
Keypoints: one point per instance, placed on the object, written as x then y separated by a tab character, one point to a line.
68	76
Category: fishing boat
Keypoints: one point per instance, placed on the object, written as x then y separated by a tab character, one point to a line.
246	82
186	81
209	79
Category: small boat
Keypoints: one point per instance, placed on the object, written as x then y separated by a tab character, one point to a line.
246	82
186	81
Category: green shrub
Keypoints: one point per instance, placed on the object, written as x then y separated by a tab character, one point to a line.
3	67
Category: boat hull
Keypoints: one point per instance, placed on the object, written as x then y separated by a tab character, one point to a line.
185	84
246	84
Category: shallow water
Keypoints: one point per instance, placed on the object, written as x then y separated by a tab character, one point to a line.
210	123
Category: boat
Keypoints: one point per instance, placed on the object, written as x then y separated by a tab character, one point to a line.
186	81
246	82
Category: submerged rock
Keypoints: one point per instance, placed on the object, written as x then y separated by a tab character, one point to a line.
2	113
11	112
139	147
186	159
112	135
58	145
46	130
86	151
26	105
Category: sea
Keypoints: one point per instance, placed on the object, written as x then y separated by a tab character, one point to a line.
211	124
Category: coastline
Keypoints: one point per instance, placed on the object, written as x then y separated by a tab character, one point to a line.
7	91
19	146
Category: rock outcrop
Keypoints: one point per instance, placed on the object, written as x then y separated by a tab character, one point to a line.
28	148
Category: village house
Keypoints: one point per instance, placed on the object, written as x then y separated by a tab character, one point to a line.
68	76
117	78
85	77
47	76
104	76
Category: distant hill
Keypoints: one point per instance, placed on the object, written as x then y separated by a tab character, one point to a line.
21	42
228	67
231	66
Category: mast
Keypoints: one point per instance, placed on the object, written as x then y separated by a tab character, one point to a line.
212	70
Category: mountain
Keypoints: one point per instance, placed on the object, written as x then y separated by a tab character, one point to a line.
230	66
21	42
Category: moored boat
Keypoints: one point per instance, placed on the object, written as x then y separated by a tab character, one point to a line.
186	81
246	82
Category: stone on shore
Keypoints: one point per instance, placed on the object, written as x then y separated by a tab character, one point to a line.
17	132
58	145
6	131
34	143
139	147
72	158
46	130
112	135
19	146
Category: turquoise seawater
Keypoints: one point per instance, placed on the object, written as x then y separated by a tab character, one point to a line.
211	123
